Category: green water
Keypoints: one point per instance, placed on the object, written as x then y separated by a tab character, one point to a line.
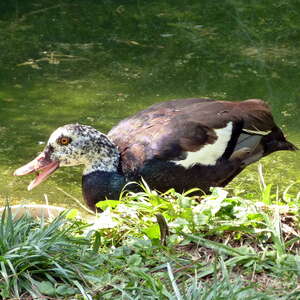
96	62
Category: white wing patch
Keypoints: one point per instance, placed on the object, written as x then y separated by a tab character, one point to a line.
209	154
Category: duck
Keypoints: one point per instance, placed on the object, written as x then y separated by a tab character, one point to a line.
180	144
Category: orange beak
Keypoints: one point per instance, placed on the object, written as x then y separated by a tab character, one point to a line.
42	165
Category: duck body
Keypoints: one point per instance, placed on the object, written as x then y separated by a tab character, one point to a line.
178	144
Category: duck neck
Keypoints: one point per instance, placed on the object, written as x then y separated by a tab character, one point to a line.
101	179
101	185
105	159
100	165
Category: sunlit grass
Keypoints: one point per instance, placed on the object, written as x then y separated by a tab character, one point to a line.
149	245
39	258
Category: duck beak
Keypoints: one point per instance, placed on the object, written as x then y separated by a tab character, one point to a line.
42	165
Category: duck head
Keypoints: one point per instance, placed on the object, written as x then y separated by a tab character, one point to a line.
72	145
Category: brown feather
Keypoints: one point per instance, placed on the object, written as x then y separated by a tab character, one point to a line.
167	130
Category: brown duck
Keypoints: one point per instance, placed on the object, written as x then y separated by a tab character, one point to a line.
178	144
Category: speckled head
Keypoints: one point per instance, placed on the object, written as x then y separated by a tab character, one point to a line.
72	145
76	144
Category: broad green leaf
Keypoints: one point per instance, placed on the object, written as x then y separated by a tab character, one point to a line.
152	231
65	290
46	288
107	203
72	214
134	260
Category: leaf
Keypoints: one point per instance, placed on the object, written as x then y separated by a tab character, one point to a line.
134	260
97	242
46	288
72	214
4	292
108	203
65	290
266	194
152	232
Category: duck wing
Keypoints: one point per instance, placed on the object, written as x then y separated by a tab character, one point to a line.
171	131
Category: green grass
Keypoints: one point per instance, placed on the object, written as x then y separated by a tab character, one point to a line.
158	246
38	258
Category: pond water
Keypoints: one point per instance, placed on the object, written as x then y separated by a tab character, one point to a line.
96	62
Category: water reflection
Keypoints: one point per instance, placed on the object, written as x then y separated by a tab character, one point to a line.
96	64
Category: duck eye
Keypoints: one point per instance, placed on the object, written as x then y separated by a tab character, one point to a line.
64	140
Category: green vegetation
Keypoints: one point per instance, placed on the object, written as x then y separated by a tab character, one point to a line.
158	246
38	258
